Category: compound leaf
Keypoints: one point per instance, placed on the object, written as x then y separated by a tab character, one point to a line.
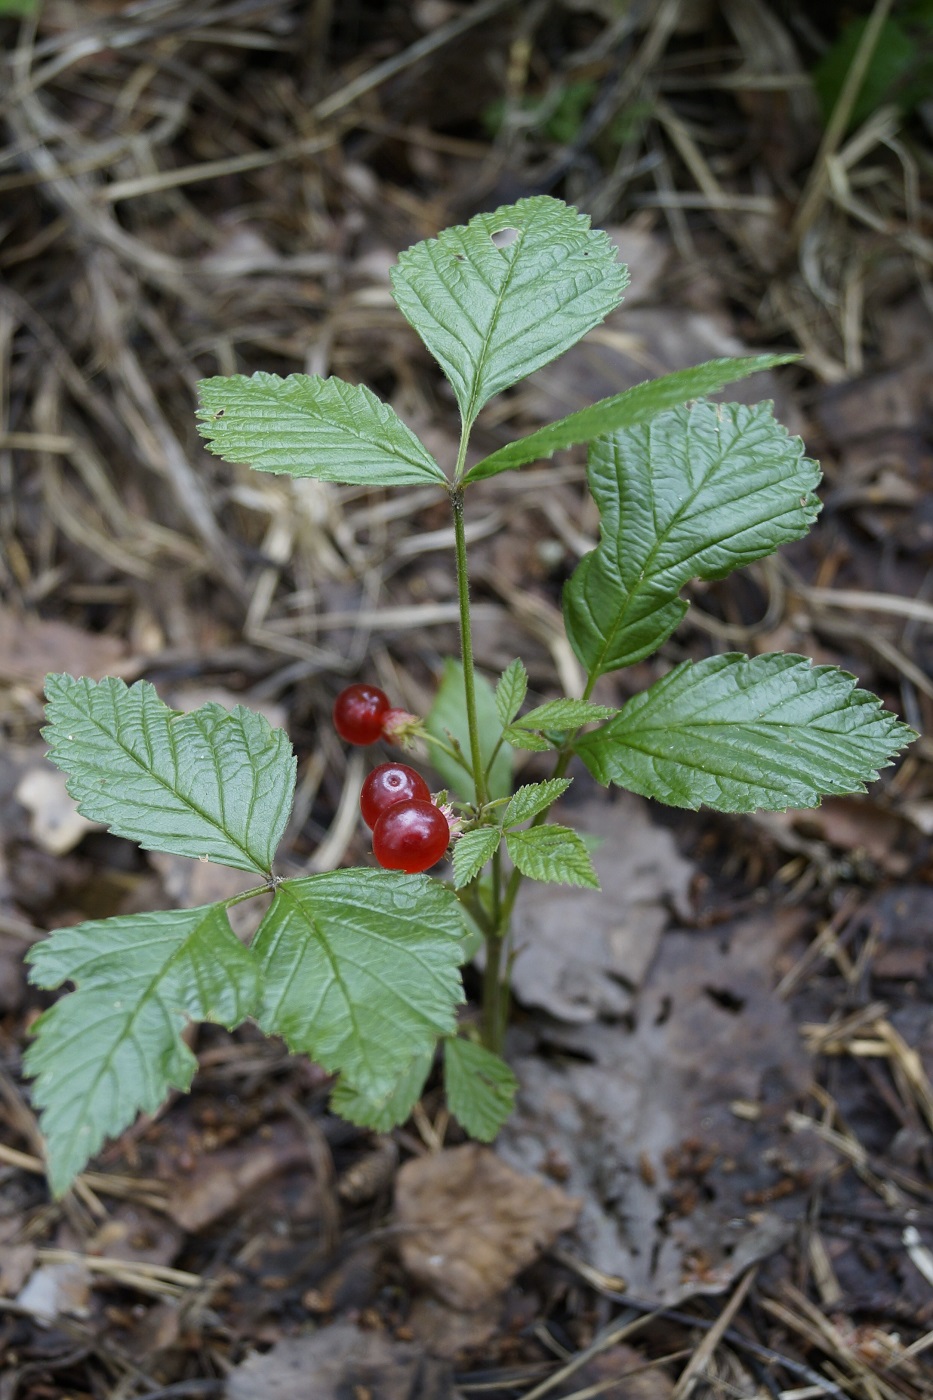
534	798
738	733
629	409
511	690
215	784
480	1087
308	426
696	493
360	971
114	1047
389	1108
552	853
506	293
471	852
562	715
447	719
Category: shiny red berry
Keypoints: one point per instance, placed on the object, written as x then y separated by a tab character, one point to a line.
388	784
410	836
358	713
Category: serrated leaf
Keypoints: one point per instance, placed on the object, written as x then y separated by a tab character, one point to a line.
386	1110
534	798
698	492
527	739
738	733
552	853
629	409
214	784
447	716
471	852
564	715
308	426
490	314
511	690
360	971
114	1047
480	1087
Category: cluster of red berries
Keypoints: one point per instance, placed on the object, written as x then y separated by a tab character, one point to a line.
410	832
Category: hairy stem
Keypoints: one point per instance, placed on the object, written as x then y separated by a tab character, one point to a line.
466	646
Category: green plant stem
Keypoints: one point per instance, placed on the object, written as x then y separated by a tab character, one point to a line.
448	749
466	644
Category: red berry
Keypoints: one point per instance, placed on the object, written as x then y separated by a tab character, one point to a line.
410	836
358	713
388	784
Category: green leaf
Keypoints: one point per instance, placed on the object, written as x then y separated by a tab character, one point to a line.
534	798
552	853
360	970
492	314
562	715
308	426
215	784
471	852
447	717
386	1110
630	409
511	690
19	8
738	734
520	738
480	1087
114	1047
697	493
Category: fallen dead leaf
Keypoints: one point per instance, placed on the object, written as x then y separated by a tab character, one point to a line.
57	1290
680	1194
470	1222
596	973
55	823
337	1362
223	1179
31	647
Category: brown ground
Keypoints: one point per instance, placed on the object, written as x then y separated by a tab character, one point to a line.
737	1099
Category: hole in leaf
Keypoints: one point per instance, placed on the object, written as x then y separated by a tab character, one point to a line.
726	999
504	237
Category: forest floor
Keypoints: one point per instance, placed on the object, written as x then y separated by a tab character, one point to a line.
719	1178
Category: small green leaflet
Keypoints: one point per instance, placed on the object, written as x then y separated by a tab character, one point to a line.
471	852
360	971
480	1087
521	738
738	734
383	1111
215	784
308	426
114	1047
511	690
534	798
629	409
492	308
698	492
552	853
557	717
447	717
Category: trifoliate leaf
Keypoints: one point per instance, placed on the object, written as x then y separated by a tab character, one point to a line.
738	733
308	426
698	492
114	1047
511	689
447	717
471	852
360	971
215	784
480	1087
632	407
534	798
506	293
552	853
386	1110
